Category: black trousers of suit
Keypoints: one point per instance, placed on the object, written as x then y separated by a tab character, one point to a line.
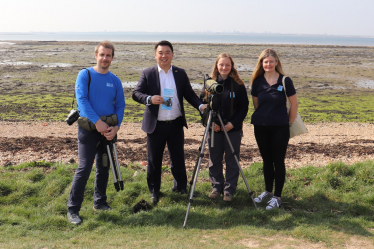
172	134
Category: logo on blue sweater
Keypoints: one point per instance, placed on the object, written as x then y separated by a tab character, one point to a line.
109	84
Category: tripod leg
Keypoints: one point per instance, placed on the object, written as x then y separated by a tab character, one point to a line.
237	161
117	164
198	167
116	185
194	170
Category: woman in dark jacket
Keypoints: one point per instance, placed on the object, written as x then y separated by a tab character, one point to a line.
233	110
271	122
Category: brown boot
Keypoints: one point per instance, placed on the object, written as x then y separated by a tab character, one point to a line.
214	194
227	197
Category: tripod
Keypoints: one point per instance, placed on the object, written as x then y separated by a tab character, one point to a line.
201	155
111	146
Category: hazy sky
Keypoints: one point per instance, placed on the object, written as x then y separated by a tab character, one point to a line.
333	17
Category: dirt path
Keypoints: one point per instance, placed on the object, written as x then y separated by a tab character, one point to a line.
56	142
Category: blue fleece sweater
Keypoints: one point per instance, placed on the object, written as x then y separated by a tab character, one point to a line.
106	95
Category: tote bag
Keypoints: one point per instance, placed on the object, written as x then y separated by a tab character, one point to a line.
297	127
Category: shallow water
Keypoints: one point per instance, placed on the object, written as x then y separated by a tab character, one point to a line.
58	65
366	84
15	63
7	43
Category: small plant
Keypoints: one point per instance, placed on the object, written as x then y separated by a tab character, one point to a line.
165	168
340	169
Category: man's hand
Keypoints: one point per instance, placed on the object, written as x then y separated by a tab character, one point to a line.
111	132
157	100
202	108
228	126
217	128
101	126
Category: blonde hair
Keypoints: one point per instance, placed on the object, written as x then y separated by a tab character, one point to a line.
105	44
259	70
233	73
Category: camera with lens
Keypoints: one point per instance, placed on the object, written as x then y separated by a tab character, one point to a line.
212	86
72	117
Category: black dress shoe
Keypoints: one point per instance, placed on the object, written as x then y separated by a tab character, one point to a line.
182	191
154	197
174	188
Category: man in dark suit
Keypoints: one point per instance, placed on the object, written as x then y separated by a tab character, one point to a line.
162	88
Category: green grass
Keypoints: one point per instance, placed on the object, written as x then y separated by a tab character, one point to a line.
341	107
53	107
328	205
314	107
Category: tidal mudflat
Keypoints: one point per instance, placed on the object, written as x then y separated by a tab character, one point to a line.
37	78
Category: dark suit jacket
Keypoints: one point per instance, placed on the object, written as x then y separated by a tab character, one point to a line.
149	85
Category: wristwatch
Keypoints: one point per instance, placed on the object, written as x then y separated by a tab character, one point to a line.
149	101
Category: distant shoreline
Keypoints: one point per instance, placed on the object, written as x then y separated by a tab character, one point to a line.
195	38
93	43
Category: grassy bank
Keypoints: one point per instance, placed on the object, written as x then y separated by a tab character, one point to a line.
326	206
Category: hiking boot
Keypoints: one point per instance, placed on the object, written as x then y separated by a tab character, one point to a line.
74	218
214	194
102	207
273	203
264	195
227	197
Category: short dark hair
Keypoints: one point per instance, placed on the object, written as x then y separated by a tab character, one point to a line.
105	44
164	43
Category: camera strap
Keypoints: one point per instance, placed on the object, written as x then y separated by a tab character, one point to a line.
89	83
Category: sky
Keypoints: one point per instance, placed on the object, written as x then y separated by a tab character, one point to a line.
331	17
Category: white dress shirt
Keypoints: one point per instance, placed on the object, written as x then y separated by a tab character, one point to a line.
167	81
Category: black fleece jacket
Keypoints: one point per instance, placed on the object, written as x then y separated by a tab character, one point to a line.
240	103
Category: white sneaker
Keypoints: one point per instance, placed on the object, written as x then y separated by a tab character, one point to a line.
264	195
274	203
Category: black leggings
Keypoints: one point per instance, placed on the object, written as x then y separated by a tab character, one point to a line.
272	142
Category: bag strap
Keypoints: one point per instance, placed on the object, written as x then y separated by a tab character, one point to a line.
89	83
288	103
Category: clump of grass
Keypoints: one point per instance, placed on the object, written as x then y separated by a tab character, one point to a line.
5	189
36	175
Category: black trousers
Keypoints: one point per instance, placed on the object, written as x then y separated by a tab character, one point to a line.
172	134
90	148
272	142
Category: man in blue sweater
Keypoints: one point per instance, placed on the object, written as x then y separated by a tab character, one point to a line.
104	96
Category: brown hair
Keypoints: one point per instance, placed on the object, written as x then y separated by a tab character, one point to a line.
233	73
259	70
105	44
